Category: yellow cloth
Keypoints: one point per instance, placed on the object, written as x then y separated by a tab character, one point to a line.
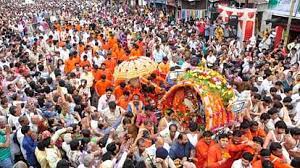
41	158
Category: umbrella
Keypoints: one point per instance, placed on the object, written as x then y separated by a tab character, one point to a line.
135	67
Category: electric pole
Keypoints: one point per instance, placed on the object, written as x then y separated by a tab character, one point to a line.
288	27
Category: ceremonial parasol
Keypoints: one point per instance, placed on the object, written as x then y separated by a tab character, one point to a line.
135	67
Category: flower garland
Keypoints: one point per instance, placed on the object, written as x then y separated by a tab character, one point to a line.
210	81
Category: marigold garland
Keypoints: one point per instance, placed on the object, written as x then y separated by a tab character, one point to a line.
216	94
211	81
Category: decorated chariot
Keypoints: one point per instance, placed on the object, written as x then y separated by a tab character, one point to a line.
201	95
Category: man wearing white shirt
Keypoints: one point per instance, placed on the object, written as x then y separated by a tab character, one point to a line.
98	60
88	53
105	99
13	117
24	121
267	84
211	59
88	76
170	134
112	112
151	151
158	54
244	162
258	84
64	53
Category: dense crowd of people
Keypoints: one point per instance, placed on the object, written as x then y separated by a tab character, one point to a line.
61	107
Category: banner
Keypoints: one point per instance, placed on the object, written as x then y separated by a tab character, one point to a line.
246	19
282	7
159	1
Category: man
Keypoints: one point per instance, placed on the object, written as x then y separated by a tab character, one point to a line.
164	67
123	101
218	154
264	155
236	147
170	134
258	84
64	53
244	162
202	148
295	151
103	70
274	114
23	120
135	106
267	82
140	153
88	76
256	131
158	54
276	136
13	117
29	145
294	55
98	59
211	59
245	128
112	112
181	148
167	120
160	143
147	114
88	161
5	159
119	90
277	156
75	153
264	120
85	62
102	85
105	99
70	63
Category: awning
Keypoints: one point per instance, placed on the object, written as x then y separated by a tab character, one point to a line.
282	21
158	1
244	1
171	2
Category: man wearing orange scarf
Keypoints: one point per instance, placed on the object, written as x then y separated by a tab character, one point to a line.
219	153
202	148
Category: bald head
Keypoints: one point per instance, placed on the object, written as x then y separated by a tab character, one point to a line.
23	120
2	121
35	119
159	142
290	143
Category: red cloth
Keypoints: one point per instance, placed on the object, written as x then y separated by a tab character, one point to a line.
201	152
249	30
278	37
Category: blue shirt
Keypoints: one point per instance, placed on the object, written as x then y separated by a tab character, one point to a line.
29	145
115	125
180	151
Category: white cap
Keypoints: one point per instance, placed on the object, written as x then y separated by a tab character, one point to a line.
107	164
260	79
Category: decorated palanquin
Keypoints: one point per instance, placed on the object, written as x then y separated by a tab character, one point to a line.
202	95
